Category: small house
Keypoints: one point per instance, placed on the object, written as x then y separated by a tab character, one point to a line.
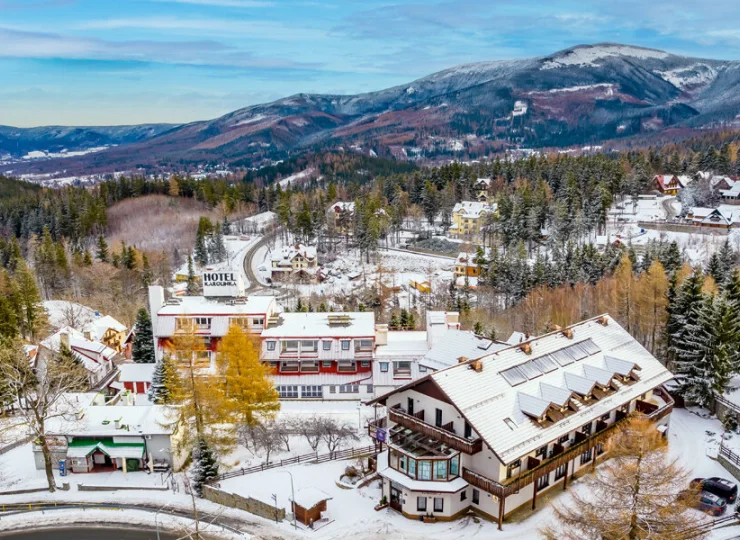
308	505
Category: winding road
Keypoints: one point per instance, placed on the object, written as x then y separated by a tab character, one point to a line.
254	283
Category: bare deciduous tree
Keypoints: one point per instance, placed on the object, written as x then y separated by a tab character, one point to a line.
334	434
285	430
43	399
312	430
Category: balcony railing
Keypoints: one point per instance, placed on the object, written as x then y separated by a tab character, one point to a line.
453	441
582	444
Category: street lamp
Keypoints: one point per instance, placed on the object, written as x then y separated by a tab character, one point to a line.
156	515
292	495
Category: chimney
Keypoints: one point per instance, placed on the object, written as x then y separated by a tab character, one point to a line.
462	359
568	333
381	334
526	347
477	365
64	339
603	321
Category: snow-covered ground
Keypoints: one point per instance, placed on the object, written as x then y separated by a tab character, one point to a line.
692	439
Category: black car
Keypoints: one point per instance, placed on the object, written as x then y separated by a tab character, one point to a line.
718	486
709	503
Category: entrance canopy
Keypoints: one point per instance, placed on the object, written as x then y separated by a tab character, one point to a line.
80	448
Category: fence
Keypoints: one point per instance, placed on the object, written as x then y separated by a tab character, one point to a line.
729	455
307	458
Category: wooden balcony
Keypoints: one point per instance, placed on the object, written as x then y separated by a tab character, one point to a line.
561	455
450	439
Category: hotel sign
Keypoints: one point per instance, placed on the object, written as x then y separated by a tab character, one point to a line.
222	283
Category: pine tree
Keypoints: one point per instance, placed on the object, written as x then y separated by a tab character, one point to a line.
87	258
201	246
403	322
192	285
412	321
394	323
102	250
164	382
31	313
147	276
683	318
205	466
142	351
217	251
710	351
478	329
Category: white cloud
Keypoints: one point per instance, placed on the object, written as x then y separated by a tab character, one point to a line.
223	3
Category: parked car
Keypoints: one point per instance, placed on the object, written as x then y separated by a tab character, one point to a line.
708	503
718	486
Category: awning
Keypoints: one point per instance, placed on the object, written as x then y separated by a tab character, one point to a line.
79	448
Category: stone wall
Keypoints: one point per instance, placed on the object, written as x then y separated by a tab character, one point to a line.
733	469
248	504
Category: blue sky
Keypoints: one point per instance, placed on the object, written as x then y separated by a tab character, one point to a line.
101	62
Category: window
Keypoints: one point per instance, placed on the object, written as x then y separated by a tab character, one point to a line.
270	345
241	322
543	481
290	346
349	389
326	363
599	449
410	405
422	369
309	346
332	389
365	363
345	344
541	453
311	392
363	345
402	368
412	468
455	466
463	495
258	321
288	392
369	389
421	504
402	462
203	322
586	456
564	439
425	470
384	367
346	366
439	504
438	417
440	470
326	345
289	366
606	417
513	468
476	496
586	429
310	366
468	431
560	471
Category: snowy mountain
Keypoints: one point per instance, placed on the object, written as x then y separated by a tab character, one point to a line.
582	95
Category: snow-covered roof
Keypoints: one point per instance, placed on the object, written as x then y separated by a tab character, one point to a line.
403	344
100	421
200	305
480	182
491	399
343	206
454	344
466	258
288	253
664	180
63	312
86	351
100	325
472	209
308	497
136	372
318	325
724	214
684	179
517	337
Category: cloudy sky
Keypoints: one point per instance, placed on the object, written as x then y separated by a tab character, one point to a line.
98	62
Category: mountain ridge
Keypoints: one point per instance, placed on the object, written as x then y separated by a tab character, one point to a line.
580	95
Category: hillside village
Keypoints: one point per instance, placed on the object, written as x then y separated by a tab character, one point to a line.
415	372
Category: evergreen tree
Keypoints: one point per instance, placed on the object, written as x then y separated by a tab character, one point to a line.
201	245
683	315
142	351
412	321
394	323
87	258
205	466
102	250
31	313
217	252
164	382
403	322
710	350
147	276
192	285
671	257
478	329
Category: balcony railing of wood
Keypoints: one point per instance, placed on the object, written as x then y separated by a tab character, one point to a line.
419	415
453	441
582	444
